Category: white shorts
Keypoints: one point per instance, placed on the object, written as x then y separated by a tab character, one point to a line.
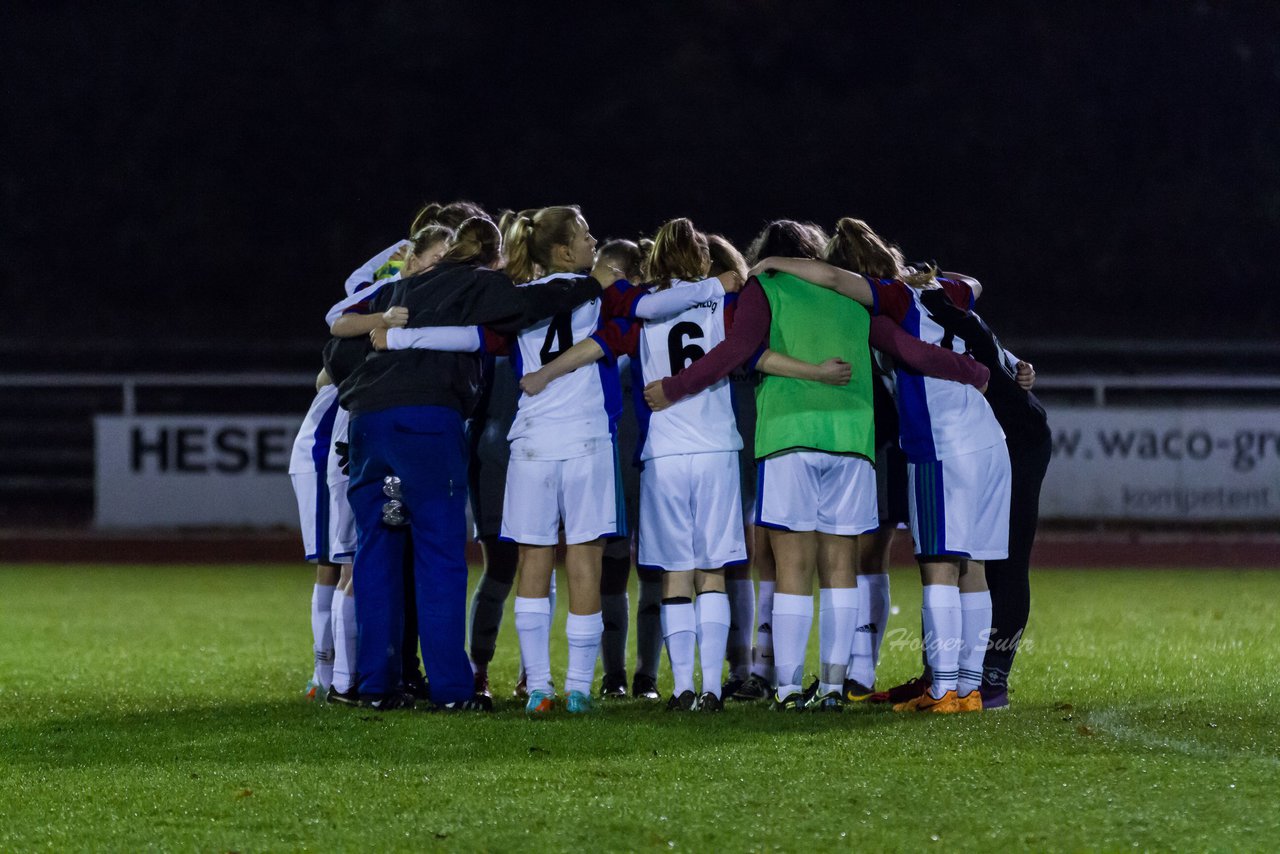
691	512
960	505
324	514
816	491
583	493
328	525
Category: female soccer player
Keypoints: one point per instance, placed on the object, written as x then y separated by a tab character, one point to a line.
406	420
738	584
1029	441
328	530
320	483
564	464
816	489
958	465
627	257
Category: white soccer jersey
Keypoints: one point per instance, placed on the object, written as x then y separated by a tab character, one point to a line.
937	418
369	270
356	301
574	415
701	423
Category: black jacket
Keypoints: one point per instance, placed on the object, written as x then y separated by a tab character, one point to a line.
1020	414
450	294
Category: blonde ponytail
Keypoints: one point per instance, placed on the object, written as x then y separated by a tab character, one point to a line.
520	266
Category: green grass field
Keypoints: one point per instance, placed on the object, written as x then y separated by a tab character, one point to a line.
160	708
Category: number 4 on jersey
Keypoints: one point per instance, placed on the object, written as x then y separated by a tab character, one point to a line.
682	355
559	337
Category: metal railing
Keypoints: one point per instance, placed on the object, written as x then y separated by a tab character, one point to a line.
1096	384
130	383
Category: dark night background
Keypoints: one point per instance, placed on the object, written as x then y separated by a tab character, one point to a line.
195	177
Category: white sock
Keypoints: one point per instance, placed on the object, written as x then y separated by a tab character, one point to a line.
533	626
713	637
837	619
616	608
742	613
975	618
487	604
762	660
862	659
680	629
551	597
344	641
322	633
942	628
792	620
877	617
583	632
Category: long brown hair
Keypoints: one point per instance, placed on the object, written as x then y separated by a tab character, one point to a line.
725	257
679	252
425	216
531	237
477	241
786	238
855	246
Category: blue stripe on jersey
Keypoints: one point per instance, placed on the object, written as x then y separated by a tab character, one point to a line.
611	387
609	357
915	426
643	412
320	456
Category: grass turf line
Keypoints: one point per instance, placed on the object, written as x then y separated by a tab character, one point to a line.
161	708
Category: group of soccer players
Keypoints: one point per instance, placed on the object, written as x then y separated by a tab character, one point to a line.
479	361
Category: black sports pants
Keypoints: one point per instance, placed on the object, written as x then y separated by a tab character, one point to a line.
1009	578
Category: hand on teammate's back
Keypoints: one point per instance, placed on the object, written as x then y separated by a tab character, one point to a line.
1026	376
730	281
655	396
395	317
835	372
532	383
378	337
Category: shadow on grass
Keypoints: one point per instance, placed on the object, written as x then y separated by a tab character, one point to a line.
289	731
